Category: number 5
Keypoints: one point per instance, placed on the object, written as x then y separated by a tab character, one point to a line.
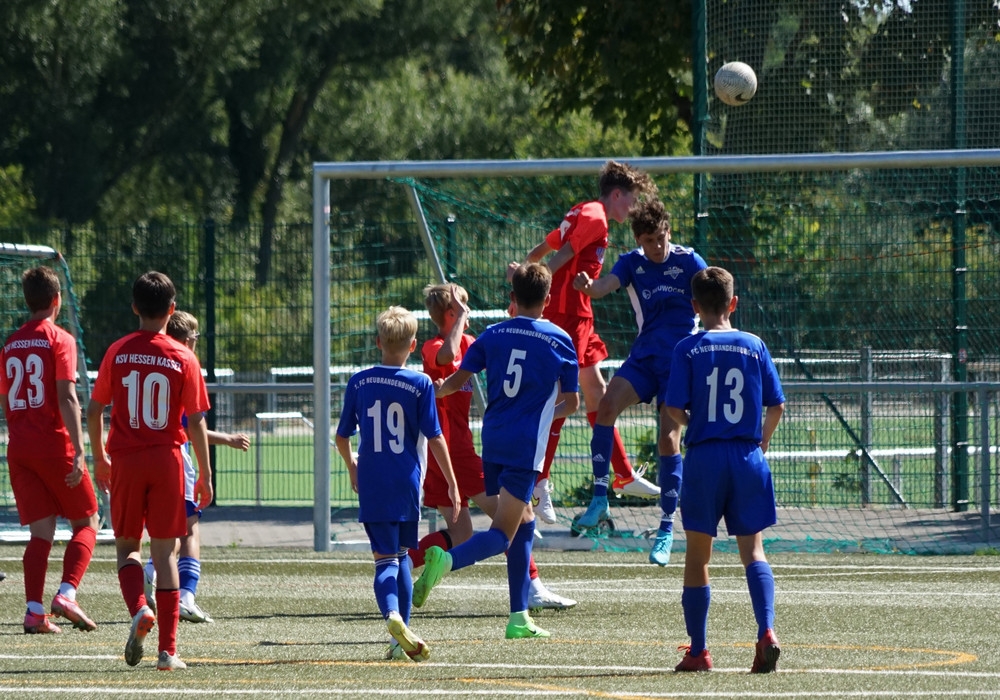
514	370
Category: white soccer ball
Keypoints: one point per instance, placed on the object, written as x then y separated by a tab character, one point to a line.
735	83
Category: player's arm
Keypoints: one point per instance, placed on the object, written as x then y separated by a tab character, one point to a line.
439	448
772	414
678	415
95	430
69	409
344	448
598	288
198	432
566	404
238	441
453	341
452	384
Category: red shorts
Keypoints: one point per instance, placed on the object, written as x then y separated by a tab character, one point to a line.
147	489
590	349
468	474
40	490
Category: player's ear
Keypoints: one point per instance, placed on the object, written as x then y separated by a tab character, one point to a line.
378	342
134	309
548	298
172	309
413	344
732	303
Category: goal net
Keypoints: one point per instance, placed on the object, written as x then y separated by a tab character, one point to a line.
15	258
848	279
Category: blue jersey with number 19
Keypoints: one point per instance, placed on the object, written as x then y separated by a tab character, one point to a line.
528	362
396	412
723	378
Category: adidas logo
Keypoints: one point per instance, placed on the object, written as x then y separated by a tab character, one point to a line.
672	493
598	459
640	271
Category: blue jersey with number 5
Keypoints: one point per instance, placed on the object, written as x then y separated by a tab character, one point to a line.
528	363
396	412
723	378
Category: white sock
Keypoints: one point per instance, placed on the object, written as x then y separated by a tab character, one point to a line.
537	587
67	591
187	598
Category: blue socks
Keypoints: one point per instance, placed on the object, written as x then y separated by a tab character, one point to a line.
481	545
601	445
386	585
518	555
760	581
695	602
189	570
669	476
404	586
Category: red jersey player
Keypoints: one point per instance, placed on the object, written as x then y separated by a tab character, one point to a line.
45	454
442	356
150	381
579	245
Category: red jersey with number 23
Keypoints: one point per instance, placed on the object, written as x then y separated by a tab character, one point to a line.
34	358
152	381
585	228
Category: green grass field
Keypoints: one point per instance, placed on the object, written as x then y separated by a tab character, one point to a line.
300	624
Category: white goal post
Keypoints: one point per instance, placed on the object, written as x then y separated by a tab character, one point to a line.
324	173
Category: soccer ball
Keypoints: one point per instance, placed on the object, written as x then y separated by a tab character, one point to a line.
735	83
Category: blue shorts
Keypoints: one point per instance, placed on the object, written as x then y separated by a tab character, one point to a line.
519	482
393	538
648	377
727	479
191	508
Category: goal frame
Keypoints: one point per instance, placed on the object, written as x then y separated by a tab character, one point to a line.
325	173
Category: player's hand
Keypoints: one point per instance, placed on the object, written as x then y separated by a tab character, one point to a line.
582	282
75	475
203	493
511	267
457	305
438	383
239	441
102	472
456	501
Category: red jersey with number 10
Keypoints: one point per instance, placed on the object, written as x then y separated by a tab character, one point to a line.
585	228
151	381
34	358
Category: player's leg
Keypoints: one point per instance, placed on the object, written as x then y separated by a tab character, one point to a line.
543	486
36	563
79	551
695	600
670	477
751	509
168	600
130	580
619	395
189	568
760	582
481	545
389	553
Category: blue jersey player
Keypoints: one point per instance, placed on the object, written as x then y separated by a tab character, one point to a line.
657	277
719	381
532	377
397	415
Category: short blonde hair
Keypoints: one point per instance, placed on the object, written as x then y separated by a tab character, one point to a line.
182	326
437	299
397	328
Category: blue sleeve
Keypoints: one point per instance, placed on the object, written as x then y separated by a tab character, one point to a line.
348	425
771	392
679	383
429	424
474	359
622	270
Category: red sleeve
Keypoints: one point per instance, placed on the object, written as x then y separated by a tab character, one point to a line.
64	350
194	395
101	393
554	239
591	226
431	367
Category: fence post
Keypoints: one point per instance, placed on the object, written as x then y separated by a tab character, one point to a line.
867	431
942	405
984	460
